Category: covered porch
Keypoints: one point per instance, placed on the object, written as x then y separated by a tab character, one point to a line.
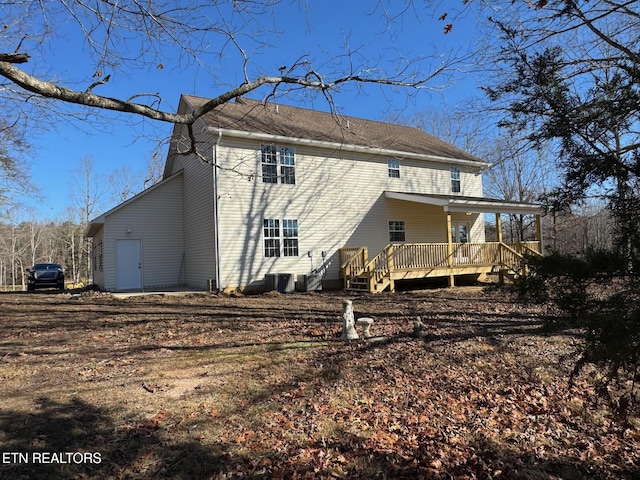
403	261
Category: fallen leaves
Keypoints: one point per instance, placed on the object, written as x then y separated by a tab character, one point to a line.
263	383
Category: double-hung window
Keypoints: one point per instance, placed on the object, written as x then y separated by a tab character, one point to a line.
278	164
455	180
269	155
397	231
393	166
271	230
290	238
287	165
280	237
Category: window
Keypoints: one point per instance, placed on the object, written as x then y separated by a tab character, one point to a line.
290	237
278	163
455	180
394	168
287	165
271	237
269	164
98	255
396	231
280	242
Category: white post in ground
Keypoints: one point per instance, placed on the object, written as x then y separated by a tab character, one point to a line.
348	324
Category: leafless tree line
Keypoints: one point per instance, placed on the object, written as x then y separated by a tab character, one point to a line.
29	242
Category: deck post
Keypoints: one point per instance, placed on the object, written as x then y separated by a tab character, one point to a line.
449	241
451	282
539	231
499	233
390	266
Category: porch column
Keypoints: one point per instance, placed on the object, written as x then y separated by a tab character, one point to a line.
499	233
499	227
450	250
539	231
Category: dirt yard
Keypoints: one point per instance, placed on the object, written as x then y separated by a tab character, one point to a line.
219	387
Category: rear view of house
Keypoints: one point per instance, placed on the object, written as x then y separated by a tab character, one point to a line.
278	193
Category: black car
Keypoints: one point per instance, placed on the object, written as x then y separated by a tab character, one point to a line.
44	275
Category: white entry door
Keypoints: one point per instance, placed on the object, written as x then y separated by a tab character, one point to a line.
128	265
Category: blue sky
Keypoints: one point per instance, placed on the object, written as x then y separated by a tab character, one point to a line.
320	32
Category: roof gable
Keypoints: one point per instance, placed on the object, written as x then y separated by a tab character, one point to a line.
299	123
94	225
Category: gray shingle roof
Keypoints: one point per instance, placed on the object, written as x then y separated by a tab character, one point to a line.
294	122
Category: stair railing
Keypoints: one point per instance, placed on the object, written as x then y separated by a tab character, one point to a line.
354	265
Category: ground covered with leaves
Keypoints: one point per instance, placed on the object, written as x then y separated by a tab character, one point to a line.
201	386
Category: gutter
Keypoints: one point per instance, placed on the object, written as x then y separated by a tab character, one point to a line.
347	147
216	214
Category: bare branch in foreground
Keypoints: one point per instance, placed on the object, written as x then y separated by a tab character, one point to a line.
311	80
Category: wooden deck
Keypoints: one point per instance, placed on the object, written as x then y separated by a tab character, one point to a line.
404	261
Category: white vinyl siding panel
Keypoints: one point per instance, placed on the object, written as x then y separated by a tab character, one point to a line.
155	218
198	212
338	201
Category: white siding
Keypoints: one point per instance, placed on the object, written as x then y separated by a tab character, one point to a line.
155	218
338	201
198	212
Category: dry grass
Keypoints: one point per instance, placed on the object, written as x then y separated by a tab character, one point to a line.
262	387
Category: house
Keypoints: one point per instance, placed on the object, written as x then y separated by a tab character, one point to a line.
277	192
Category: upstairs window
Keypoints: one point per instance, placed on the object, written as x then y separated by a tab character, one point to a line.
393	165
269	163
397	232
287	165
455	180
280	237
278	164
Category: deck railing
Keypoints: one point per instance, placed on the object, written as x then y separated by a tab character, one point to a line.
354	261
409	256
524	248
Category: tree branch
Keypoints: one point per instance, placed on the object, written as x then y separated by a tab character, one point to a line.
14	57
311	80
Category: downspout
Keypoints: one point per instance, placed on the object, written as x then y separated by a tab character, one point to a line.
216	216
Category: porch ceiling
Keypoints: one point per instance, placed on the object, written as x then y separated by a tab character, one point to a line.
457	203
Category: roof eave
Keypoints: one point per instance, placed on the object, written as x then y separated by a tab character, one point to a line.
468	204
480	165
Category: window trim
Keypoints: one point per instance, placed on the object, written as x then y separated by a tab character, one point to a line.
271	245
280	237
278	164
395	231
393	168
269	163
456	180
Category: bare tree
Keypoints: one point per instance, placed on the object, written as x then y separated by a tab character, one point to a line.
124	37
124	183
465	125
518	173
88	192
14	173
